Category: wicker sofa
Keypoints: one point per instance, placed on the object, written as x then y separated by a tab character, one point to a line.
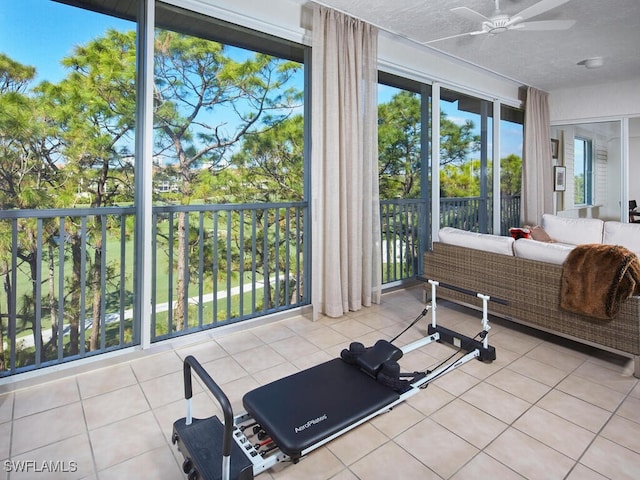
531	289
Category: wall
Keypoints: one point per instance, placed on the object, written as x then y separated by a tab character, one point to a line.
616	101
595	102
634	159
412	60
607	169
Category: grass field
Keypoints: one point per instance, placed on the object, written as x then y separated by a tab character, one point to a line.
119	291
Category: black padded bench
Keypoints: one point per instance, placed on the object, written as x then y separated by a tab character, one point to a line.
301	410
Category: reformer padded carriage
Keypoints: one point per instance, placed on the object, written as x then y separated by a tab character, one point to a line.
292	416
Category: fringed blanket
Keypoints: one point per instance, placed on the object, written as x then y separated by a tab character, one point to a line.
597	278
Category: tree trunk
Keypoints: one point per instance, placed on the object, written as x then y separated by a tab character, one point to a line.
95	284
74	310
33	268
53	311
180	310
7	290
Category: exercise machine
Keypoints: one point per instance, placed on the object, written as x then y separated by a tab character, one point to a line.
291	417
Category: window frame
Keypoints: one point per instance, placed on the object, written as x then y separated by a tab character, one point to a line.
585	146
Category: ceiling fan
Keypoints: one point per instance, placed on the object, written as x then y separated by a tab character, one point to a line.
499	22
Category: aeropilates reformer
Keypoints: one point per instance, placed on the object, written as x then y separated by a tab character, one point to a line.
291	417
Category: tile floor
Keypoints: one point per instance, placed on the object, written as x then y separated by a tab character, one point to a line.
544	409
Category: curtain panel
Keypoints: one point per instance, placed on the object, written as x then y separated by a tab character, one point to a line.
346	271
537	171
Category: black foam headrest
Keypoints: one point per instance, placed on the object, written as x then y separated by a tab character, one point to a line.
372	359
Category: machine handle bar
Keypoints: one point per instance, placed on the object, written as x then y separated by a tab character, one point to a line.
191	363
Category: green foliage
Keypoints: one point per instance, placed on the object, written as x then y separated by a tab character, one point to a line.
399	140
226	131
459	180
14	76
269	166
93	109
399	132
511	175
579	197
457	142
206	103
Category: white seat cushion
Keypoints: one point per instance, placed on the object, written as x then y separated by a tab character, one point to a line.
624	234
478	241
574	231
542	251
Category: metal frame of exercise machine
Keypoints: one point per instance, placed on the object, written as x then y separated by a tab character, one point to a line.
240	447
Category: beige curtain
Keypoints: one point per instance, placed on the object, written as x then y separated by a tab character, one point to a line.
537	171
344	165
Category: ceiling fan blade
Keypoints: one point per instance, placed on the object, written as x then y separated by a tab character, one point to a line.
539	8
470	14
479	32
547	25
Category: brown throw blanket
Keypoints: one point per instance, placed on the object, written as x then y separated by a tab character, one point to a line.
597	278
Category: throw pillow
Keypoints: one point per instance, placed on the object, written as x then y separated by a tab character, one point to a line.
518	233
538	233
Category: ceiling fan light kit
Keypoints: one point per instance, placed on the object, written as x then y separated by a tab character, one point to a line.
500	22
593	62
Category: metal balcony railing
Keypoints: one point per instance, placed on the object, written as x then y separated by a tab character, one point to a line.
238	262
474	213
404	229
67	285
68	275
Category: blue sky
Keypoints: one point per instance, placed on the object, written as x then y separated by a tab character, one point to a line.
39	33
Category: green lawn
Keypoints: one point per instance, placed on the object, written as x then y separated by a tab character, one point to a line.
114	262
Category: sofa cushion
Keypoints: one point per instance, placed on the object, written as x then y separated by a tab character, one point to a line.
573	230
542	251
624	234
478	241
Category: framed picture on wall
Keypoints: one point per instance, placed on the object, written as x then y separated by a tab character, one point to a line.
559	178
555	146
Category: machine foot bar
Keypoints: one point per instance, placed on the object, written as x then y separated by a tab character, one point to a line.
463	342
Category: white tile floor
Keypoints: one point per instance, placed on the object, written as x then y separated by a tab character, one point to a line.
545	409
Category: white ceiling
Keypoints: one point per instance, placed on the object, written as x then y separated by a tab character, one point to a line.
546	60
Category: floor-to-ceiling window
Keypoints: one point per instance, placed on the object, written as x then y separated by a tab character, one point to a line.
403	153
228	130
466	125
67	126
225	173
511	140
593	156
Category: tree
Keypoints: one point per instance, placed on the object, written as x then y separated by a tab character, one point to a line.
271	168
271	163
93	108
511	175
26	170
205	103
460	180
399	145
399	134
